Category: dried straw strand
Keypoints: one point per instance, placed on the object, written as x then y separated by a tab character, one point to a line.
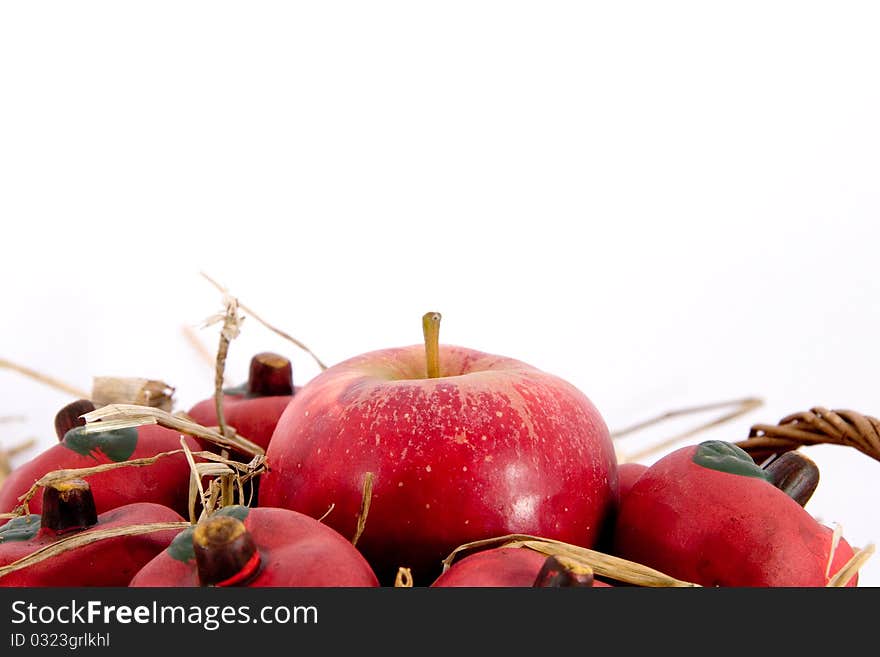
117	416
851	567
204	355
740	407
57	476
266	324
404	578
44	379
366	497
86	538
228	332
6	456
604	565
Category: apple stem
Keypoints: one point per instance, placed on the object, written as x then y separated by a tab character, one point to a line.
225	551
71	416
431	330
794	474
68	505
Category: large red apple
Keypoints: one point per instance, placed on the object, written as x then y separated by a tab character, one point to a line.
491	446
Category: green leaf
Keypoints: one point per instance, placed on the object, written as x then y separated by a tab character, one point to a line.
23	528
727	457
117	444
181	547
236	511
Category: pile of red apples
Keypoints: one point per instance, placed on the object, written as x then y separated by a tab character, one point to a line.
391	463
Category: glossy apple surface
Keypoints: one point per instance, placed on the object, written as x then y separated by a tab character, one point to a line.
493	446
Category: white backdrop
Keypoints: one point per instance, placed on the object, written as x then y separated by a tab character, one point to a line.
664	203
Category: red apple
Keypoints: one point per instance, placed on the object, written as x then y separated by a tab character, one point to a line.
514	567
262	547
494	567
68	509
491	446
627	475
254	407
165	482
708	514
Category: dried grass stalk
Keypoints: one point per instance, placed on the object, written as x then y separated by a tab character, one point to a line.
86	538
836	535
275	330
204	355
6	456
327	512
195	483
851	567
44	379
366	497
117	416
122	390
740	407
57	476
228	332
604	565
227	478
404	578
21	447
183	415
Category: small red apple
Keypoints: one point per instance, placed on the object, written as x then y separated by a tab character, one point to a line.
627	475
486	446
514	567
494	567
261	547
709	514
165	482
254	407
68	509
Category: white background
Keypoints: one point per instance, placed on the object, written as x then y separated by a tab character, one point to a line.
664	203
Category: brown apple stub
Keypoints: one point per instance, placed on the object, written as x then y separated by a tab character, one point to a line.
68	506
560	571
795	475
70	416
225	552
270	375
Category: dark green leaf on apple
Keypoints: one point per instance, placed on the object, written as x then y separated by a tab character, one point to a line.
181	548
727	457
236	511
23	528
116	444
